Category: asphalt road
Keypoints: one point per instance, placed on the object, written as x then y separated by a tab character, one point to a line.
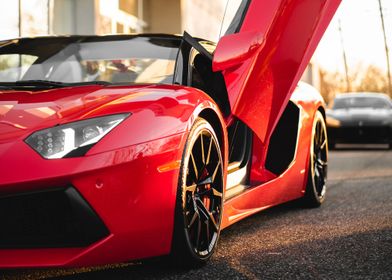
349	237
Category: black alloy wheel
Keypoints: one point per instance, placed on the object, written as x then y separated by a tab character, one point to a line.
199	197
318	164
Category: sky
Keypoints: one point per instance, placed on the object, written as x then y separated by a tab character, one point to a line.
362	36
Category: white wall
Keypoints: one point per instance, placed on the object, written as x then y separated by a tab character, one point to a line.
73	17
202	18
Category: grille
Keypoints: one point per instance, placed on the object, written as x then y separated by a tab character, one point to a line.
364	134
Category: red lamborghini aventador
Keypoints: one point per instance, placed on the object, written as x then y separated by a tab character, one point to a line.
123	147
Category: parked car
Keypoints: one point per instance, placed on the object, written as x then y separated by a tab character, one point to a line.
123	147
362	117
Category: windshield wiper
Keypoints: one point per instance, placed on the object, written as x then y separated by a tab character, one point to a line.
48	84
39	83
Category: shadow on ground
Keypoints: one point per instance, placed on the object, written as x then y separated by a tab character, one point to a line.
360	147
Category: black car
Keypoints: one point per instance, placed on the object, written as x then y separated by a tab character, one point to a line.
360	118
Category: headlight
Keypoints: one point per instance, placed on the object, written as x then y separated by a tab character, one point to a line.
72	139
332	122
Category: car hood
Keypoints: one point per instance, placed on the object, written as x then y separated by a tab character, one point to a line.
22	112
361	115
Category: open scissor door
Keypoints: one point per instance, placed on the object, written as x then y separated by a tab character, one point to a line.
264	53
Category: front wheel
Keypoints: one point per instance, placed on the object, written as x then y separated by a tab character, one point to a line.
318	164
199	197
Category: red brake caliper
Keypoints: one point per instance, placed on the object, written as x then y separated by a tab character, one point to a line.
206	198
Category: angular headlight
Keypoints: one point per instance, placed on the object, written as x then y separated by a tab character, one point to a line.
72	139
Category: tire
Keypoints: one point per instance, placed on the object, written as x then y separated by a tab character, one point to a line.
199	200
318	164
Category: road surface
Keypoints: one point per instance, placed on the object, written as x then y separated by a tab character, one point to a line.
349	237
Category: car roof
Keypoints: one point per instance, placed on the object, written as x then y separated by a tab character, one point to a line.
97	37
107	37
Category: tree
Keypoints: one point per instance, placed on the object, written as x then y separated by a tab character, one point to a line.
373	80
370	79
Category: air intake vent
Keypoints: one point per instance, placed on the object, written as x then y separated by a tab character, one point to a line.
48	219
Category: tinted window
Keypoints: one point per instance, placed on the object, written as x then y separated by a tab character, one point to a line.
73	60
361	102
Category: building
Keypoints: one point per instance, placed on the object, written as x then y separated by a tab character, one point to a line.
201	18
43	17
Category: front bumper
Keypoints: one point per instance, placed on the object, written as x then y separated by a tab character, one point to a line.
360	134
129	194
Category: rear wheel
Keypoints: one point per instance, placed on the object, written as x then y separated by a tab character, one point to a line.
318	164
199	197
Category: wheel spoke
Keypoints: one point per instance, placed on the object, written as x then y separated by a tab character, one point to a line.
321	182
316	171
191	188
202	208
320	135
216	192
214	223
209	152
207	180
320	170
323	144
215	171
202	149
194	166
321	162
194	217
318	181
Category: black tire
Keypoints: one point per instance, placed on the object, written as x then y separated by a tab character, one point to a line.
331	145
199	200
318	164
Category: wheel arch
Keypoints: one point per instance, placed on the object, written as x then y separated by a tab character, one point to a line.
319	108
211	116
219	127
322	110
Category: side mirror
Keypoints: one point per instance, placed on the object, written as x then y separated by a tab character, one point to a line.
234	49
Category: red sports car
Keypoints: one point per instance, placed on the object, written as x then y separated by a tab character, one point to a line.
115	148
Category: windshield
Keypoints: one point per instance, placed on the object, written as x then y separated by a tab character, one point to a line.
87	59
361	102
